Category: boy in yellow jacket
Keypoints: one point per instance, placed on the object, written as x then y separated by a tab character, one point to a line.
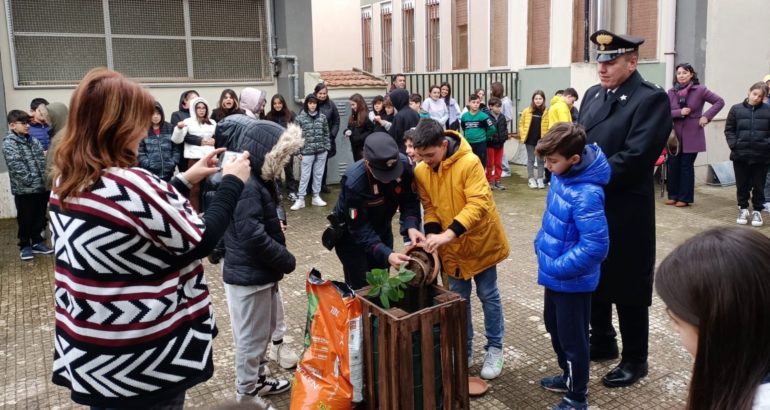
462	223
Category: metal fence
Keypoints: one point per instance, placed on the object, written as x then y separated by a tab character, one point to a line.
463	84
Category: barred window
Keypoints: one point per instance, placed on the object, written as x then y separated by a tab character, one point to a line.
407	28
433	38
386	26
153	41
366	33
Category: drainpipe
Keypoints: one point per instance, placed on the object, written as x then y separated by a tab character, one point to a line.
669	42
294	75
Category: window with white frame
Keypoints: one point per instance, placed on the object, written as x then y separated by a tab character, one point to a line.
170	41
366	33
386	36
407	27
432	34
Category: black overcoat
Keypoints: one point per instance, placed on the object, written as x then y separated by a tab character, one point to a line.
631	127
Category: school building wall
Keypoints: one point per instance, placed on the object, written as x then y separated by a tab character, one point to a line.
293	35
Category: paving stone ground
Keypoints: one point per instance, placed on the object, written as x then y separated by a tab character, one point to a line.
26	314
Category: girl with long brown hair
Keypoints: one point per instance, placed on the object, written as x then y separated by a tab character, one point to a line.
228	105
129	247
359	125
716	287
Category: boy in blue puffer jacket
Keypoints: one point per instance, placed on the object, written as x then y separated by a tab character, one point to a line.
570	247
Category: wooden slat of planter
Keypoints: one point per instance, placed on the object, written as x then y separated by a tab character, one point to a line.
428	361
384	361
446	355
460	345
406	373
393	360
368	352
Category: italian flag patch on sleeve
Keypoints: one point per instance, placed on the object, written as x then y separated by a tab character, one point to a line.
353	212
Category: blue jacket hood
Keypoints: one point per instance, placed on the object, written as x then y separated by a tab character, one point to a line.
593	168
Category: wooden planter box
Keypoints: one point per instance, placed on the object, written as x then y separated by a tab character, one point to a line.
391	335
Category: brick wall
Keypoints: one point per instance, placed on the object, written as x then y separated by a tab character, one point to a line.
643	22
539	32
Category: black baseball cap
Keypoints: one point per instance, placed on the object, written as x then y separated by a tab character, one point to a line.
610	46
382	153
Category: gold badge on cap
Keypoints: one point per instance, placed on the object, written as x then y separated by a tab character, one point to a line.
603	40
391	162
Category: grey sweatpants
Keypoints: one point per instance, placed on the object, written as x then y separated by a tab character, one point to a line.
533	161
253	321
312	167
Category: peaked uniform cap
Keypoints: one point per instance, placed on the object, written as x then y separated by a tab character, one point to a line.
610	46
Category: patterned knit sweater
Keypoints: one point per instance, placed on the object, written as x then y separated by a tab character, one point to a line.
134	322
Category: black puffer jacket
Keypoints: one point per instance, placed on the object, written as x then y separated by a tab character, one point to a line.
159	155
255	247
748	133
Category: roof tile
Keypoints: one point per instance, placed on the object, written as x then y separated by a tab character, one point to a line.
351	79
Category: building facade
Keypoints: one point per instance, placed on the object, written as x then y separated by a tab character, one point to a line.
545	42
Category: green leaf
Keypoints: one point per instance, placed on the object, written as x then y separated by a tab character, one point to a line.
375	290
370	278
406	275
394	282
400	294
384	300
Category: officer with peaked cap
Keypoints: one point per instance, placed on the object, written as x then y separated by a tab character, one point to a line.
373	189
630	119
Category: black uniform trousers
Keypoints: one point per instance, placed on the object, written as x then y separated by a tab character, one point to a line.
750	184
355	262
634	329
31	216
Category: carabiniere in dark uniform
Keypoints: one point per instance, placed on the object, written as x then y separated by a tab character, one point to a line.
364	211
631	123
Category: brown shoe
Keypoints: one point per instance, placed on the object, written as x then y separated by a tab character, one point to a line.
681	204
670	202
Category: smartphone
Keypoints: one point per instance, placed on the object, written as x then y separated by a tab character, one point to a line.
228	156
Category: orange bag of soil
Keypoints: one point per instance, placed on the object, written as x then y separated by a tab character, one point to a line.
329	375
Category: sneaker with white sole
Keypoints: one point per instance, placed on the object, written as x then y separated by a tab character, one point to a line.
41	249
493	363
743	217
540	184
283	355
317	201
532	183
253	398
499	186
267	385
299	203
756	219
26	253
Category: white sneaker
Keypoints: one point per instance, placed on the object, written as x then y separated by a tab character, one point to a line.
254	399
756	219
298	204
767	207
743	217
317	201
531	183
493	363
540	183
283	355
505	174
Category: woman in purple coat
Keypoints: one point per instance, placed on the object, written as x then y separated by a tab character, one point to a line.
687	98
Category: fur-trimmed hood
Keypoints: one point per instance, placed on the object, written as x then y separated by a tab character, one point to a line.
270	146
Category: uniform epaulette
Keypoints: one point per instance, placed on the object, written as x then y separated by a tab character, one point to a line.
652	85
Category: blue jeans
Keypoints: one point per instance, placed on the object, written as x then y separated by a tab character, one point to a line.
486	290
681	177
